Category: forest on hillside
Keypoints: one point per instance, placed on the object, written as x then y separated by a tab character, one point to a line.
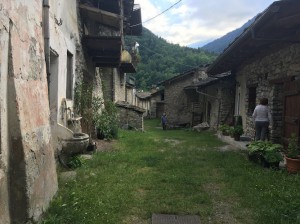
160	60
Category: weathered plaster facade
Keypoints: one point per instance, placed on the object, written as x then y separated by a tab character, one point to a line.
28	178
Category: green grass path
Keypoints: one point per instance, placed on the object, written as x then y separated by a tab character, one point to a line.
175	172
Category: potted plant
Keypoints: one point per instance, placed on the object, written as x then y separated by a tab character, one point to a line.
292	156
237	132
266	153
224	128
231	131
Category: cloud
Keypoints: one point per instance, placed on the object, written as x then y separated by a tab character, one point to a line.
193	20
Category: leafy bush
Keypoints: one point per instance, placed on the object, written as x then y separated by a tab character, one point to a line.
238	121
238	130
224	128
293	148
107	121
267	150
87	105
74	162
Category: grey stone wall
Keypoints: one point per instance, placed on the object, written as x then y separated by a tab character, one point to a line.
220	96
273	64
131	118
114	86
107	83
176	100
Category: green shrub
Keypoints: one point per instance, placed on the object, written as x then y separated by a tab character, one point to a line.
293	148
271	152
224	128
107	121
238	130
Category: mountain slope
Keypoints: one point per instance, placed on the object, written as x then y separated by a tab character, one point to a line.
218	45
161	60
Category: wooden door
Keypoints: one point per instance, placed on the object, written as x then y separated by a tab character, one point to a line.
291	109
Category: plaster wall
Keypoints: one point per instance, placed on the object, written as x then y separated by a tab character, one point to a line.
4	143
64	38
27	164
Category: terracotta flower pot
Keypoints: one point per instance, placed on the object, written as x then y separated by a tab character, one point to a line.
293	165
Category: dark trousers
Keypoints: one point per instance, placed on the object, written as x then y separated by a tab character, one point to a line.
164	125
261	130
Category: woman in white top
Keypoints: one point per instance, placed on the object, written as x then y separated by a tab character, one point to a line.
262	118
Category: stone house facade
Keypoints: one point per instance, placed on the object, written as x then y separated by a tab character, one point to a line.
212	100
131	117
177	106
265	61
143	100
193	97
157	103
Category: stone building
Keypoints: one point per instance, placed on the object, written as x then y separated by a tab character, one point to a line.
143	100
46	48
131	117
265	61
104	27
157	103
177	106
212	100
193	97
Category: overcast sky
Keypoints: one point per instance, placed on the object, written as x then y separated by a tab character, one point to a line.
192	21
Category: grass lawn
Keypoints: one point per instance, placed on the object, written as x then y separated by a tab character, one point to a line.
175	172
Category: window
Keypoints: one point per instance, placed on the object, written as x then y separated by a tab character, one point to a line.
69	84
251	99
162	96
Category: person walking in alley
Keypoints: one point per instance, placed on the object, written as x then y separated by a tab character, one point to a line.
164	121
262	119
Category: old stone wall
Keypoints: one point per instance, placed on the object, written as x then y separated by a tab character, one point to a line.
176	100
28	159
131	118
107	83
214	104
114	86
273	64
145	104
130	95
156	105
119	85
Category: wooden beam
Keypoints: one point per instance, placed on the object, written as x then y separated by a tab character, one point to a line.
101	16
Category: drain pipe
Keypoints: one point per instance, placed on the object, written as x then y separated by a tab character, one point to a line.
46	7
219	102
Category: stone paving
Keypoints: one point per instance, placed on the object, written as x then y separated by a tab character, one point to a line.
175	219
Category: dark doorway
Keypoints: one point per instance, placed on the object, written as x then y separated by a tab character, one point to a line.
291	109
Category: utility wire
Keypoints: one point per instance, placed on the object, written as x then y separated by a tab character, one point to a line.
157	15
